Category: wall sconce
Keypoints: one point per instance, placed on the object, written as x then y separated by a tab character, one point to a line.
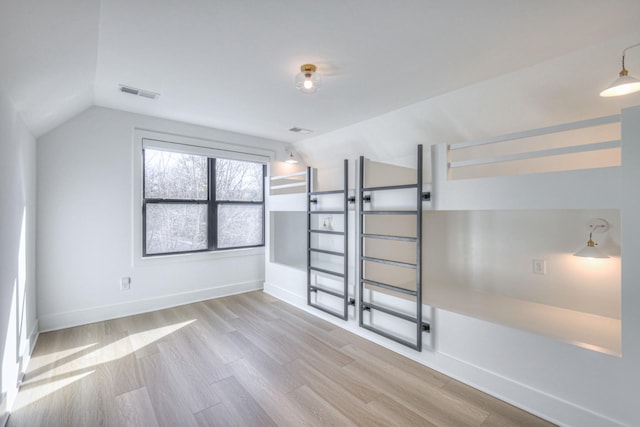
291	158
307	80
591	250
625	84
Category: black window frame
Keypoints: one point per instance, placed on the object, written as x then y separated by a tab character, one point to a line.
212	208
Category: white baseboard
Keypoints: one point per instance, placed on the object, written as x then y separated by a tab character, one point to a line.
26	356
4	412
7	398
69	319
532	400
537	402
33	337
285	295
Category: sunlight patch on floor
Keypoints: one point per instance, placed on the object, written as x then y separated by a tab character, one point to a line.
29	395
53	371
144	338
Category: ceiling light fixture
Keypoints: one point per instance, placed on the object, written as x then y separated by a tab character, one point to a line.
291	158
307	80
591	250
625	84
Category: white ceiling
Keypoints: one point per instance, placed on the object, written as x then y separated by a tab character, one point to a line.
230	64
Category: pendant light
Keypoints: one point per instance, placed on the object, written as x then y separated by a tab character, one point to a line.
625	84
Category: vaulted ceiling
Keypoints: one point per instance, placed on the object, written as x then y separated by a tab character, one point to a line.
230	64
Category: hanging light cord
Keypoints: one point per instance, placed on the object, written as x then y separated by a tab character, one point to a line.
624	52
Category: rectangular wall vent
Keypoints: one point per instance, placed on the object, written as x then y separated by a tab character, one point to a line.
139	92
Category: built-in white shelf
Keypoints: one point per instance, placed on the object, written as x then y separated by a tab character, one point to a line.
590	331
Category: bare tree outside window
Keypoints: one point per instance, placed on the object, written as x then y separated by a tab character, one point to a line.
181	207
176	228
169	175
239	181
239	224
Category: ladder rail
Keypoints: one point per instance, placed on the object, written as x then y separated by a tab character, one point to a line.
312	198
416	293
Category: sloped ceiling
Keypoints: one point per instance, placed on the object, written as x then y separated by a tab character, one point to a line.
231	64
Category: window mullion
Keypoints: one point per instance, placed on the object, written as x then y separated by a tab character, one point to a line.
264	214
238	202
177	201
212	207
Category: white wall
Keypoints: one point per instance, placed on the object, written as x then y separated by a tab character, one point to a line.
567	384
628	376
493	251
18	324
86	227
529	98
557	380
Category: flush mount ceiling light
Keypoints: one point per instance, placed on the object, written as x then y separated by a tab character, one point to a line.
625	84
591	250
307	80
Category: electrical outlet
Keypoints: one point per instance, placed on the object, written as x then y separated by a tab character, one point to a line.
125	284
539	266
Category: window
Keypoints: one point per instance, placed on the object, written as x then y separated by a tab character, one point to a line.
195	203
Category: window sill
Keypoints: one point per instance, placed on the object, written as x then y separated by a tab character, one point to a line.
200	256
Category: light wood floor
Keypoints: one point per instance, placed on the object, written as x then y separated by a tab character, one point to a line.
246	360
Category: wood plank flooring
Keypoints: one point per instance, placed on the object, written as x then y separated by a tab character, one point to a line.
245	360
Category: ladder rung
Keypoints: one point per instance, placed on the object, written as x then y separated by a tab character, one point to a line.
336	233
322	193
389	287
326	212
324	251
327	291
388	212
390	187
408	318
391	337
328	311
388	262
322	270
389	237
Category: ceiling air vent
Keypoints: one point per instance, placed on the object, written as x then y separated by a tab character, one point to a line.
301	130
139	92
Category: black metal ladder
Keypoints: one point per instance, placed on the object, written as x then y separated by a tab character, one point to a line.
312	199
372	284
